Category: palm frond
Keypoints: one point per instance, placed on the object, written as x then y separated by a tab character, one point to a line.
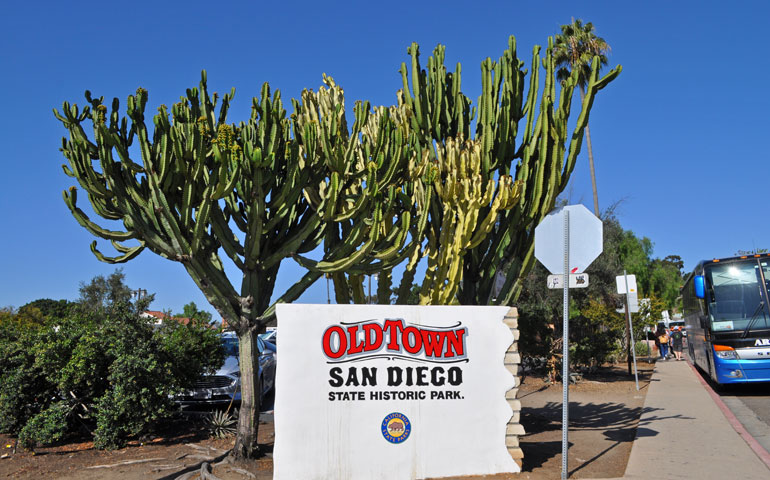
575	49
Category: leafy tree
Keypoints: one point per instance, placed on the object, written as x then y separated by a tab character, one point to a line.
51	310
22	382
579	49
650	313
30	315
595	327
597	330
102	292
191	311
540	312
665	280
676	262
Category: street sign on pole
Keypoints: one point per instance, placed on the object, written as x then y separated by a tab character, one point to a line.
634	304
585	243
630	292
620	281
576	280
581	242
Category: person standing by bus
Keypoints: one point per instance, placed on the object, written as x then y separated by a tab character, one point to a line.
663	340
677	341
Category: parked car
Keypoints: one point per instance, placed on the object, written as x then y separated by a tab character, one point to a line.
270	336
224	385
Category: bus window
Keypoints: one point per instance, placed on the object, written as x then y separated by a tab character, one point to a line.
734	296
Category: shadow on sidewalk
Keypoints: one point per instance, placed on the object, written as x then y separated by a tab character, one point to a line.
618	423
618	436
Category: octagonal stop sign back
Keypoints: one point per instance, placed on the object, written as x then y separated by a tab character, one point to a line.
585	239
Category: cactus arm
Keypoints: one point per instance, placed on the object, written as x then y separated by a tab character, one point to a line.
534	85
293	292
515	279
71	200
228	240
129	254
402	229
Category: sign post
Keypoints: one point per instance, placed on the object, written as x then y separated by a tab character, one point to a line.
630	324
565	357
577	250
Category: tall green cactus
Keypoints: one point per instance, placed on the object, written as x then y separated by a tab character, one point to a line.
259	192
540	163
462	196
532	168
379	219
199	178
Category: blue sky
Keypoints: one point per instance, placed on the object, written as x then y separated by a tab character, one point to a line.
679	138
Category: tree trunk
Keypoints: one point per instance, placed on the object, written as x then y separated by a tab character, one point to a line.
593	173
591	161
246	445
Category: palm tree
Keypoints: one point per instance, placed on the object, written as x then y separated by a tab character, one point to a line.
575	48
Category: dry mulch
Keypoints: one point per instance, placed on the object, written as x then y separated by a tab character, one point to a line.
182	447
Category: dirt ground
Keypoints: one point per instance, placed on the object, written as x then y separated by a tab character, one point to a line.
604	411
603	415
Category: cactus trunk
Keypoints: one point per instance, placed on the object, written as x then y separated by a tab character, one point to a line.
246	445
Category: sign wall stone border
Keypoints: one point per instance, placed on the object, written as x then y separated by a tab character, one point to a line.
514	429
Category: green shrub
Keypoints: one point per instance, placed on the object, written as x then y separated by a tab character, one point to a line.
642	349
113	370
46	427
24	389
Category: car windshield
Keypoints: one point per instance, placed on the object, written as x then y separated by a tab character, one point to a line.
231	345
737	296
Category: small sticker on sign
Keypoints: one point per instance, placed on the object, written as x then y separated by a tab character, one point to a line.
396	427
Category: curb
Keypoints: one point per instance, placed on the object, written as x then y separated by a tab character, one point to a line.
752	442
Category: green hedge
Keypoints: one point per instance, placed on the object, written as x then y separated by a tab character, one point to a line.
110	373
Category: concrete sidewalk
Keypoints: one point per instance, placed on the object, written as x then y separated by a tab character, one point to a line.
682	433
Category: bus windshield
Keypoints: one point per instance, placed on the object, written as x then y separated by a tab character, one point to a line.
737	296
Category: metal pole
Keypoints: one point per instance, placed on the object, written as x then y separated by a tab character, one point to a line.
649	348
631	330
565	355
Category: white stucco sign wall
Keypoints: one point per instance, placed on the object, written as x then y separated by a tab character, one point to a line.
391	392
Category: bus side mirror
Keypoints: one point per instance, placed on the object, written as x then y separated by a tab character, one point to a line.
700	286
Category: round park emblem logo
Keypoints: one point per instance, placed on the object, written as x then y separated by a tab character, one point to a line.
396	427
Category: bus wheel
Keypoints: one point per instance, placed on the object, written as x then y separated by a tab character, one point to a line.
715	385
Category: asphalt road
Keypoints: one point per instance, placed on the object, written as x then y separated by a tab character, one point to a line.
751	406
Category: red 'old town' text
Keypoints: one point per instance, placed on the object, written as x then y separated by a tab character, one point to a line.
368	338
